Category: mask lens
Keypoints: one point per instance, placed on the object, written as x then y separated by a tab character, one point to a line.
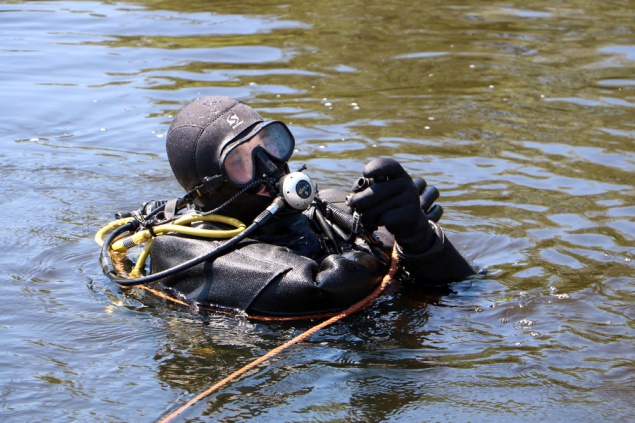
274	138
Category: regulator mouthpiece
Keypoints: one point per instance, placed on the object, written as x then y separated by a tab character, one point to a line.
362	183
297	190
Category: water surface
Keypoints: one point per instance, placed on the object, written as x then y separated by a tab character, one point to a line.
521	113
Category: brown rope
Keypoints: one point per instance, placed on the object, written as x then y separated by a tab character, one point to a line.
164	296
360	305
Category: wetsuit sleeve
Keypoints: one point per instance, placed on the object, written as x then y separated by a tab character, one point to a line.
337	282
439	264
265	279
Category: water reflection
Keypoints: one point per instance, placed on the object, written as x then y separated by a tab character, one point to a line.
519	113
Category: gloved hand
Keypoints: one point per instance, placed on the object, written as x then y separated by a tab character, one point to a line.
397	202
427	196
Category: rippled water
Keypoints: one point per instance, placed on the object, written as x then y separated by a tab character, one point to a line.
521	113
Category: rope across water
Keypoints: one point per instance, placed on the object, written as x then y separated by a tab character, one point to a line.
360	305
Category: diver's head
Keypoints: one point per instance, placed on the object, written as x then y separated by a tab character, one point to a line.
225	139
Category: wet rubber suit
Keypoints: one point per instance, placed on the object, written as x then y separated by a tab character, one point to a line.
220	151
291	268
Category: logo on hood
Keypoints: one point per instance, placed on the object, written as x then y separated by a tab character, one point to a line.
234	121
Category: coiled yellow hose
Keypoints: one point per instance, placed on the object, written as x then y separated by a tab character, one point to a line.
178	226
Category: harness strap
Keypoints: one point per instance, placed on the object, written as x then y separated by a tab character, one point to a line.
171	207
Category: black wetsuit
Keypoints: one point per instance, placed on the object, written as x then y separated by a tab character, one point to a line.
292	268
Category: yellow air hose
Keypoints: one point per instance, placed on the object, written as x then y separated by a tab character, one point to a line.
99	236
178	226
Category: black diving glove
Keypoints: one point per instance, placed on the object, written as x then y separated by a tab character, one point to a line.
388	196
427	196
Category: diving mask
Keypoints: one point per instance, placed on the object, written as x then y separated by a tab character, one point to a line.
241	162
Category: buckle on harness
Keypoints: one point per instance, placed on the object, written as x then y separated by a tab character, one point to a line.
209	185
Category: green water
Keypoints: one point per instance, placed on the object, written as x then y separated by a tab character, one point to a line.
521	113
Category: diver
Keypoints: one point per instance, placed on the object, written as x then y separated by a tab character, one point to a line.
307	252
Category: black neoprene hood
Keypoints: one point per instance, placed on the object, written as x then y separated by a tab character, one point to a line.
199	133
